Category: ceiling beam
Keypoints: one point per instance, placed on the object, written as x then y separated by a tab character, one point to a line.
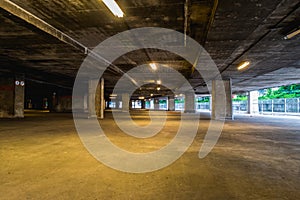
14	66
211	21
248	47
16	10
262	36
187	19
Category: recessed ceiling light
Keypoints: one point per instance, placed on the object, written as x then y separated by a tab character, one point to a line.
159	82
151	95
113	7
158	88
153	66
243	65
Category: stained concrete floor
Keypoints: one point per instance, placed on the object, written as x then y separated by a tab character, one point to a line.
42	157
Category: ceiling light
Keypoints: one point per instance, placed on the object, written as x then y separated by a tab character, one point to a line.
159	82
113	95
141	98
293	34
153	66
158	88
243	65
151	95
113	7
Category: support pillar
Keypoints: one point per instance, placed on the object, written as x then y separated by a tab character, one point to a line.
210	103
19	97
298	105
253	103
171	103
12	96
156	104
118	102
79	102
219	110
189	103
96	101
143	103
125	102
93	84
101	107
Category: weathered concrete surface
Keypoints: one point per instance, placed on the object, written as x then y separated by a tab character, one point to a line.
6	97
125	102
171	103
239	30
255	158
222	99
156	104
189	103
12	96
19	96
253	102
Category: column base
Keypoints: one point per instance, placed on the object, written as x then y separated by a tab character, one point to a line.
190	111
223	118
92	116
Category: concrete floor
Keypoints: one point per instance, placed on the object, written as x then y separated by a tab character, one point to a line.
42	157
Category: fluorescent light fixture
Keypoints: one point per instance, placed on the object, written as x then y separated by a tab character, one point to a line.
159	82
113	95
141	98
243	65
153	66
113	7
149	81
293	34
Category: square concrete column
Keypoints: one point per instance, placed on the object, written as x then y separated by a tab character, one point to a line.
93	85
12	96
80	102
118	99
156	104
210	103
221	100
96	101
253	102
189	103
100	108
125	102
19	96
143	103
171	103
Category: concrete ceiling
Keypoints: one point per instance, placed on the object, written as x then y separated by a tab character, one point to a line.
230	30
